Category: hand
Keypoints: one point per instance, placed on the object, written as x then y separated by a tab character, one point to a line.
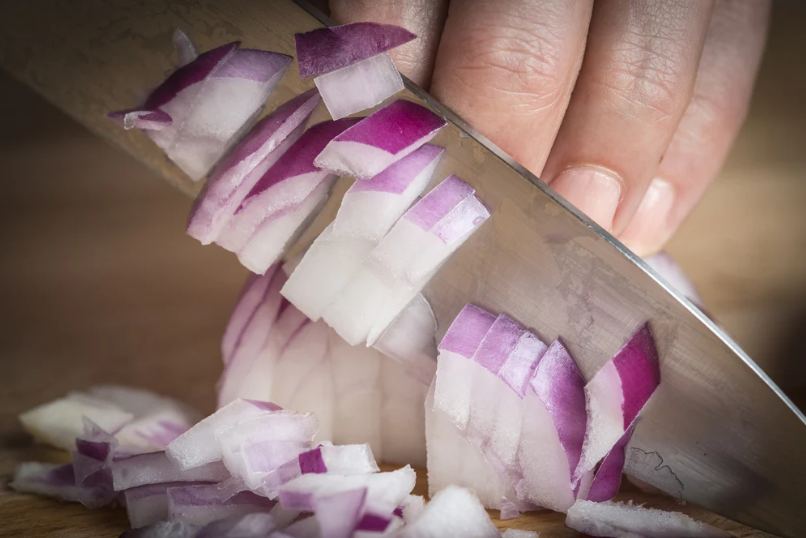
627	108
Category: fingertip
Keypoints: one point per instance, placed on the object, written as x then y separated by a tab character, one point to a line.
651	227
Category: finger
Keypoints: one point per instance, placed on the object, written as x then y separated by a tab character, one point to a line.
508	67
425	18
636	80
730	60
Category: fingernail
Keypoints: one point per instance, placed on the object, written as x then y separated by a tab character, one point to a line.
593	191
649	228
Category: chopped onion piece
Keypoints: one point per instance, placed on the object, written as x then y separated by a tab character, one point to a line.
508	510
289	181
277	232
410	339
251	525
184	47
49	479
201	128
60	422
552	431
619	520
359	86
382	488
203	504
397	270
616	395
155	468
607	480
164	529
238	172
307	527
338	513
198	445
339	459
412	508
517	533
251	298
91	465
327	49
386	136
256	330
368	210
158	420
303	380
454	511
148	504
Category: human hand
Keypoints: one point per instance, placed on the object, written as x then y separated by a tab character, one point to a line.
627	108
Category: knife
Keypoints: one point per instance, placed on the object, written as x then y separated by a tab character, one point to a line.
718	432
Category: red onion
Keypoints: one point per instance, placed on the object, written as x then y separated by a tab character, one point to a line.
616	395
251	525
198	445
338	513
184	115
454	511
164	529
327	49
156	467
281	200
379	140
203	504
359	86
185	48
149	504
553	431
238	172
404	261
619	520
368	210
49	479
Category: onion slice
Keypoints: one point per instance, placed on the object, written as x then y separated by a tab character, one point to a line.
203	504
405	260
200	130
327	49
251	525
49	479
184	47
616	395
238	172
367	212
619	520
607	480
360	86
198	445
156	467
454	511
382	138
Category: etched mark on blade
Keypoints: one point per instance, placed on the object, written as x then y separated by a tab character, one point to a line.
649	468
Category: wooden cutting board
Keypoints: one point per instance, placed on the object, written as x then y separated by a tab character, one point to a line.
98	283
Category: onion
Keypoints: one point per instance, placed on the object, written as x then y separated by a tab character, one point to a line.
517	533
278	204
402	424
164	529
200	128
327	49
616	395
251	525
185	48
155	467
619	520
410	339
338	513
238	172
198	446
49	479
359	86
553	431
60	422
149	504
344	459
368	210
454	511
405	260
607	480
91	461
379	140
203	504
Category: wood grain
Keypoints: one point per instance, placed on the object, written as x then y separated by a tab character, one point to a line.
99	284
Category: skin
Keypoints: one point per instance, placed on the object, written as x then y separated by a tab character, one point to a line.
627	108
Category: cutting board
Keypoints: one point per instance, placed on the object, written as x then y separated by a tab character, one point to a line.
99	284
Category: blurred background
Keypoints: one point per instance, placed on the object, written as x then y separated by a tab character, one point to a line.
99	283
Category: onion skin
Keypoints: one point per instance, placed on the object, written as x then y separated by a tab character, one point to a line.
327	49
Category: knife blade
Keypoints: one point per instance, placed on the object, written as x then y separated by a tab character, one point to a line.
717	433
